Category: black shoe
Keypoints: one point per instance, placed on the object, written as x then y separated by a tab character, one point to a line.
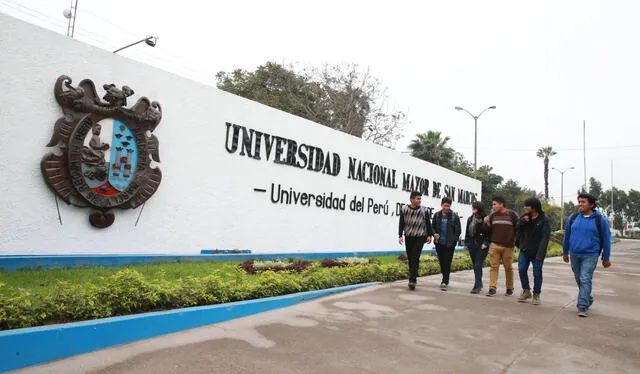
509	292
491	292
476	290
412	286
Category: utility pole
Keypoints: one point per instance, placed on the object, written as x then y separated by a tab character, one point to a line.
70	14
584	151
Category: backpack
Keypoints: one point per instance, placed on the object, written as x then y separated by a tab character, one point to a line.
598	224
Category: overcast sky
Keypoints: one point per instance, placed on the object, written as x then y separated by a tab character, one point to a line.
546	65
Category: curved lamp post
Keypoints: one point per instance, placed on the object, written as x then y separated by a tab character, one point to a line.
149	40
475	145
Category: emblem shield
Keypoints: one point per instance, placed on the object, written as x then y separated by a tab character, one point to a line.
105	154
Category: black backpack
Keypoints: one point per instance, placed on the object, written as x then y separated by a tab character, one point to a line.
598	224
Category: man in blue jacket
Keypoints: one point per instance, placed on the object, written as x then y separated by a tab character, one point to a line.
586	236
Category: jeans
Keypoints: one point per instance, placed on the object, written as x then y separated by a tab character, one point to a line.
413	245
478	255
499	253
445	257
583	268
523	269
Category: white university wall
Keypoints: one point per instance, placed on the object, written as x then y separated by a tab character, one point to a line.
206	199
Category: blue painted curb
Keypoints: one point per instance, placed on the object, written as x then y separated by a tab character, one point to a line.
31	346
16	262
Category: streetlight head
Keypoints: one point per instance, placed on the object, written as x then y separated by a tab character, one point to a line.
571	168
151	41
457	108
492	107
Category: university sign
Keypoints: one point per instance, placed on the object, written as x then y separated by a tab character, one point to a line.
260	145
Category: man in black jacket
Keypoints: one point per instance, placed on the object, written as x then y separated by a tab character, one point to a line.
446	225
533	237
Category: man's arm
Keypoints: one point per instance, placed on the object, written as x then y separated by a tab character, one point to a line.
401	225
430	231
457	227
606	246
567	236
544	242
467	238
434	224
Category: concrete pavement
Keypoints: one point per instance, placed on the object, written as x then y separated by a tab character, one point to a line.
388	328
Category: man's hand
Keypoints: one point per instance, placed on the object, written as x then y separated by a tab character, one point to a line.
526	218
606	263
538	258
401	240
484	246
466	248
565	258
487	219
436	237
428	241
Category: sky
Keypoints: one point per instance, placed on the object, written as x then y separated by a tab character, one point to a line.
547	66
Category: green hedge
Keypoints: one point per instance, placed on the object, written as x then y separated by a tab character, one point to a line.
128	291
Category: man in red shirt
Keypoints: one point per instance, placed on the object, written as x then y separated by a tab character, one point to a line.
501	233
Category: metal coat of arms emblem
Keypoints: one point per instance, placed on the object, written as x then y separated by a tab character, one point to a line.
105	150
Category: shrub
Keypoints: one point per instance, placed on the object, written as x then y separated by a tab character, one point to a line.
254	267
348	261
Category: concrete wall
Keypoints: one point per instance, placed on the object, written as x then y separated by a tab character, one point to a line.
206	199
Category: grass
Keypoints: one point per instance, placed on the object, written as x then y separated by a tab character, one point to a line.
43	281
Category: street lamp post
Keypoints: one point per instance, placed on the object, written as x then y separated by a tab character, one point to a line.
149	40
562	194
475	144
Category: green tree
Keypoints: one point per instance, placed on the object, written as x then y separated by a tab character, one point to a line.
432	147
490	183
632	211
618	222
553	213
340	97
595	188
620	203
545	153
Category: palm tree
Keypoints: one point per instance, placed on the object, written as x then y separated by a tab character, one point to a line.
545	153
432	147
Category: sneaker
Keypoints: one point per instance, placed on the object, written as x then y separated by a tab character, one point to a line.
583	313
476	290
443	286
536	299
491	292
412	286
524	296
509	292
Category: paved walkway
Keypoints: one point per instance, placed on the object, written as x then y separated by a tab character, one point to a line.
389	329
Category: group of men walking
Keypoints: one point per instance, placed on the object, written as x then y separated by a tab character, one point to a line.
586	238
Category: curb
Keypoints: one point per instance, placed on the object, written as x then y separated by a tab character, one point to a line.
31	346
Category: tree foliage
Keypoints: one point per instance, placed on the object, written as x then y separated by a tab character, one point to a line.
340	97
545	153
433	148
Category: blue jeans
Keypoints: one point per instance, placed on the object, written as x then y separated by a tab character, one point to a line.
478	255
583	268
523	269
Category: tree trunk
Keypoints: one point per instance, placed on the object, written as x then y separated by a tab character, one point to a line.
546	178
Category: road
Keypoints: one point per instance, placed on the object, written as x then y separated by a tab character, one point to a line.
387	328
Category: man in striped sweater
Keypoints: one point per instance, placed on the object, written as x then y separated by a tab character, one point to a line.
415	224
